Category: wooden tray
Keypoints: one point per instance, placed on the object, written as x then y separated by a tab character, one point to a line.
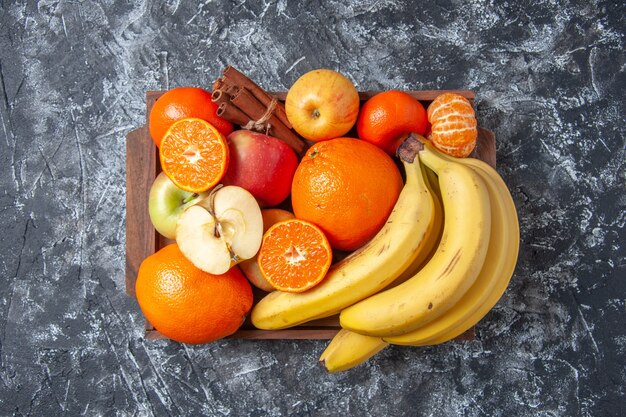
142	240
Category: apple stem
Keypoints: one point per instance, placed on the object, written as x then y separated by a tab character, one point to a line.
190	197
211	208
217	230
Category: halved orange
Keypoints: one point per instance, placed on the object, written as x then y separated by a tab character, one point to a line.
194	154
295	255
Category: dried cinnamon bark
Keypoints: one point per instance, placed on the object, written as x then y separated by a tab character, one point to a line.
242	102
237	78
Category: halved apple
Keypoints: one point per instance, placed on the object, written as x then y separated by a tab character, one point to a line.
222	230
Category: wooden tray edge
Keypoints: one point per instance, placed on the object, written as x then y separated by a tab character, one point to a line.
293	334
140	243
140	172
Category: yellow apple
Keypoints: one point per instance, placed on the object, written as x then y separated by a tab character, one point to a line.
322	104
250	267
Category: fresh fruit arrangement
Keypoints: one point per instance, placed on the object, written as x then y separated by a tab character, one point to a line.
374	212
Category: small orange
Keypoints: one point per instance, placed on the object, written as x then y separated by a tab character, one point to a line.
453	121
180	103
294	256
194	155
347	187
189	305
388	117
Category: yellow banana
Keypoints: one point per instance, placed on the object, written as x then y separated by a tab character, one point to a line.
504	277
500	260
348	349
432	180
452	270
366	271
434	236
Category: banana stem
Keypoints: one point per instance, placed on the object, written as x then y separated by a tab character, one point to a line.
408	150
416	145
431	158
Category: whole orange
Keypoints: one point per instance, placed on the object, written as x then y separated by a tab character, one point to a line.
181	103
388	117
189	305
348	188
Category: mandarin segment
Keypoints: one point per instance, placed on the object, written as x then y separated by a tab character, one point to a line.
194	155
453	124
295	255
449	103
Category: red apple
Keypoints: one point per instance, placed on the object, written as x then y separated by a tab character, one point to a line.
261	164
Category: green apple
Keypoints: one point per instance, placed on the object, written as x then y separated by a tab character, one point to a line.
167	202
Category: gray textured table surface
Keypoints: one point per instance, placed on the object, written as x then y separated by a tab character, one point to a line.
550	81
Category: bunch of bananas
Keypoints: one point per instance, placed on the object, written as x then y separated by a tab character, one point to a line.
441	262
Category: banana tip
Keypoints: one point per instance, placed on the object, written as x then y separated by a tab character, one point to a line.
324	365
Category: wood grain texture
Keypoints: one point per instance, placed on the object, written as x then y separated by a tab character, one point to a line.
140	172
485	147
300	332
143	166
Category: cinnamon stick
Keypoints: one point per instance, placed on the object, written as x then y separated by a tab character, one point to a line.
232	75
227	110
220	96
232	114
245	101
225	86
218	84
